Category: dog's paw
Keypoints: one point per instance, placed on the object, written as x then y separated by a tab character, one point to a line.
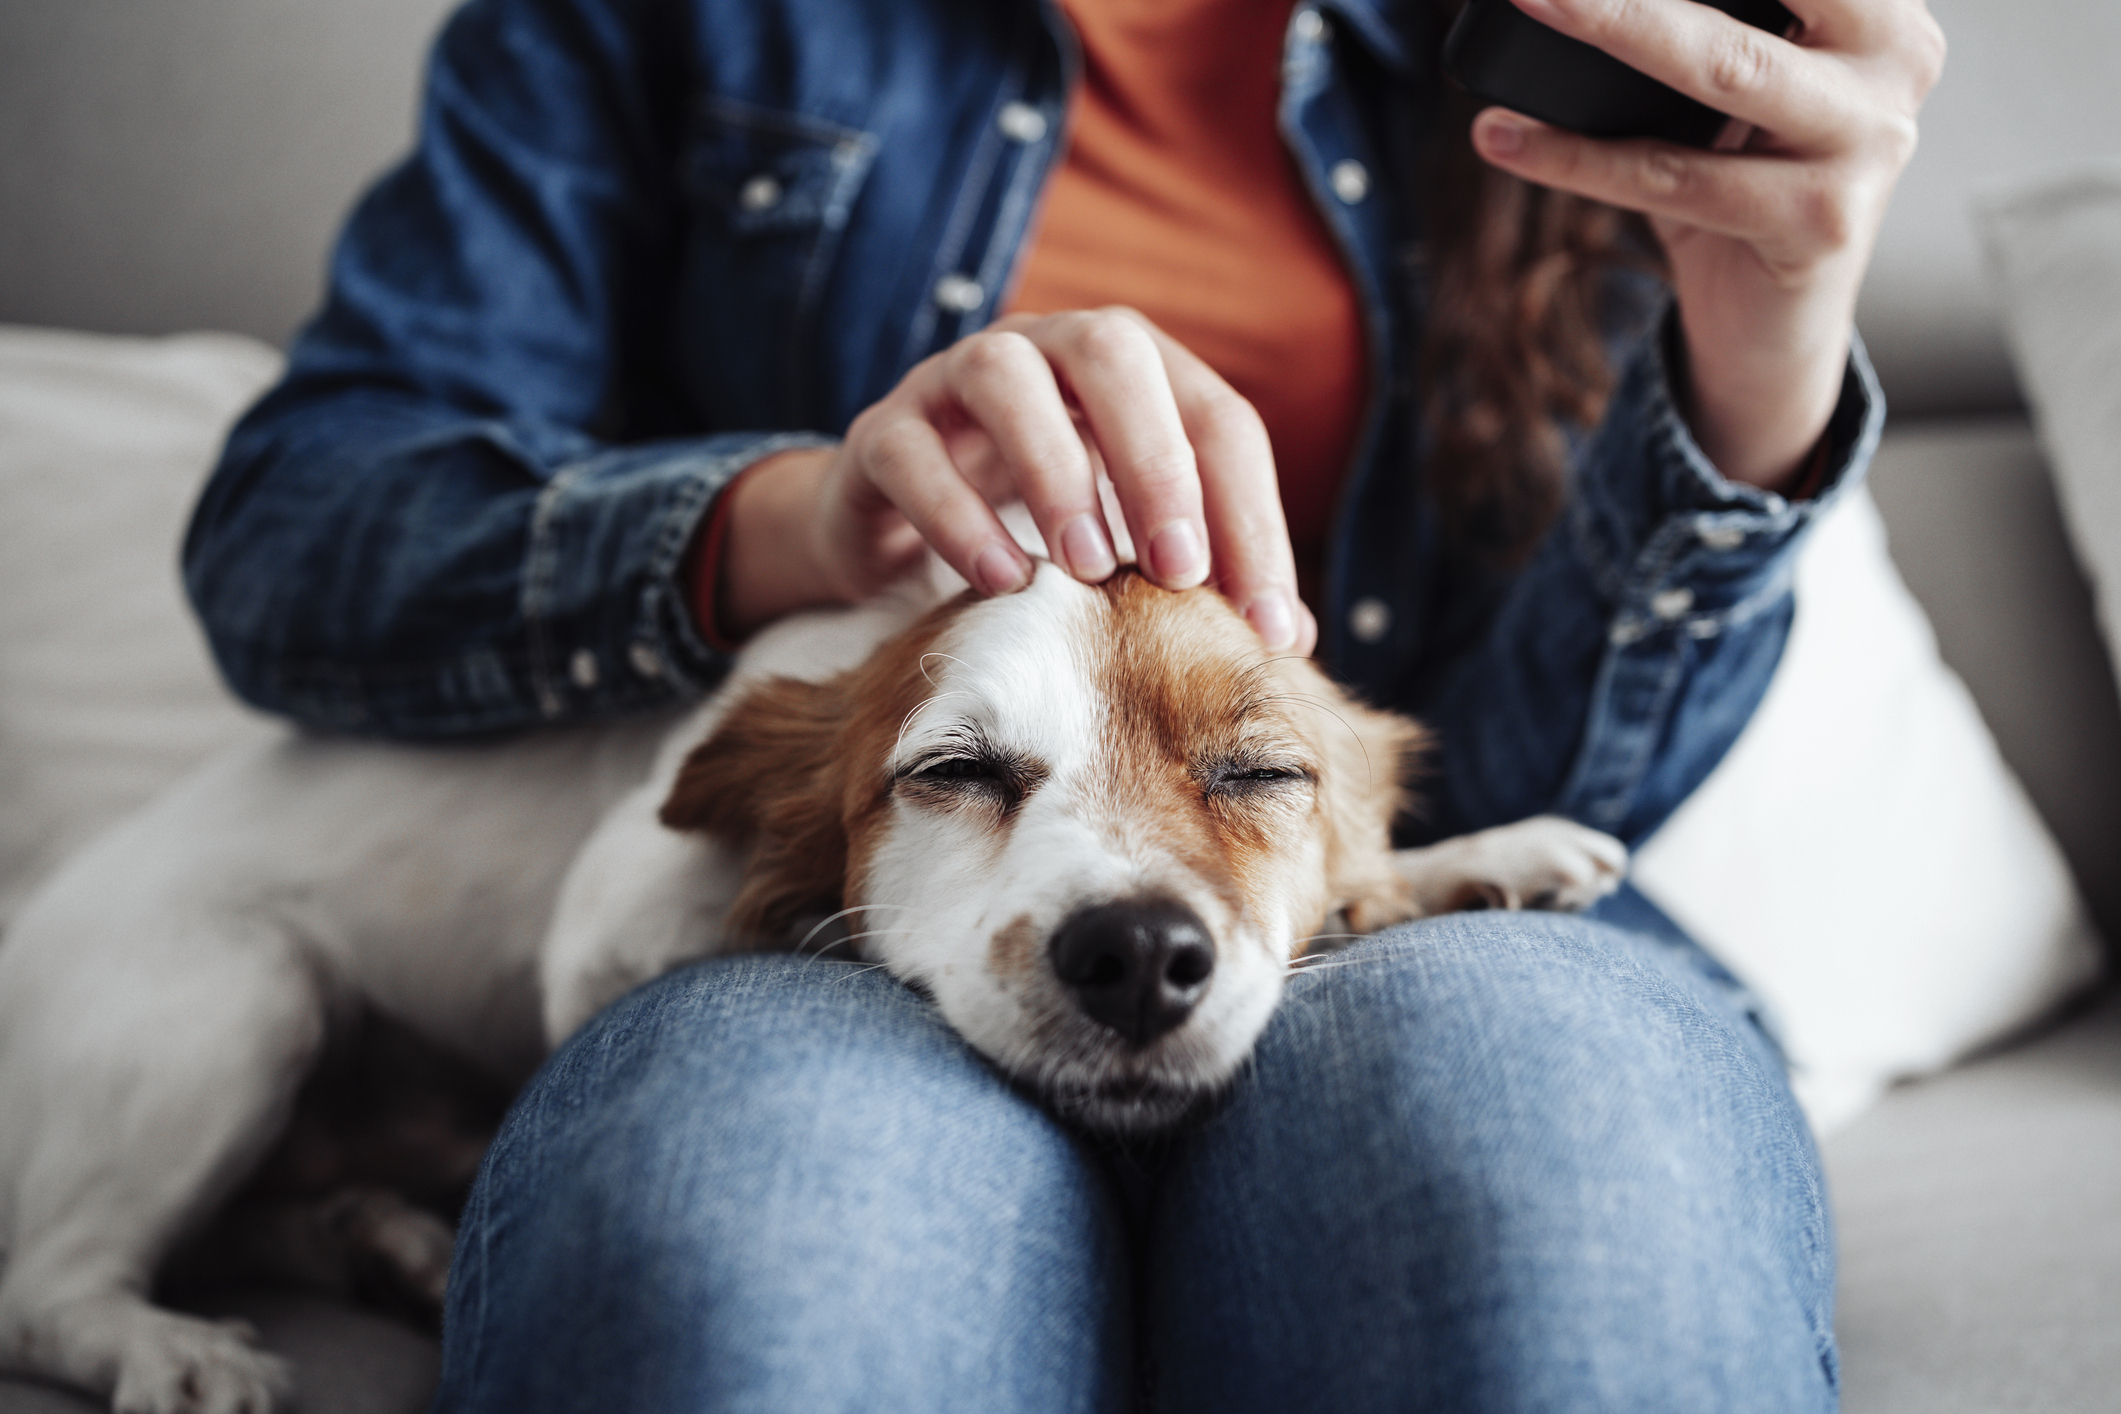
399	1253
172	1364
1546	862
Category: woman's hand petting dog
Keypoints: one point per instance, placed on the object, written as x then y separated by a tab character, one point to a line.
1035	408
1767	238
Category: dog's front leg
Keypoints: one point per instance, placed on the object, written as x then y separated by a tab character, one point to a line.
638	900
1545	862
150	1046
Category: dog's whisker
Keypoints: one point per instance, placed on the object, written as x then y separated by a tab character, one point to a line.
1321	704
876	933
1318	938
907	724
947	656
1329	964
830	919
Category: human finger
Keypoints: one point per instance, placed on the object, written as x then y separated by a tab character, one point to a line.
1001	381
1108	363
1902	27
893	446
1806	99
1248	535
1792	210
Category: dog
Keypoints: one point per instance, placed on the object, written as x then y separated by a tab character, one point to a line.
1097	825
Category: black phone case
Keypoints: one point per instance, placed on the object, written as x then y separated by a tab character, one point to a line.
1504	56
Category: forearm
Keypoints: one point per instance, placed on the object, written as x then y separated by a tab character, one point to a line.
465	508
376	562
1760	383
1624	660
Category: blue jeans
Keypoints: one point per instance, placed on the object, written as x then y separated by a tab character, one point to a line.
1492	1162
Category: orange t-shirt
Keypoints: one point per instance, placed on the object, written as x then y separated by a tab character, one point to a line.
1179	197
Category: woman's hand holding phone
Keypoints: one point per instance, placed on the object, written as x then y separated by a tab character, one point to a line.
1767	241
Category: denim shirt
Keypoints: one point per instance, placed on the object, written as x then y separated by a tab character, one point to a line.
642	243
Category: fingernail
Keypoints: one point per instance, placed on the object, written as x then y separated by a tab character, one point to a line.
998	571
1271	618
1085	548
1176	557
1502	136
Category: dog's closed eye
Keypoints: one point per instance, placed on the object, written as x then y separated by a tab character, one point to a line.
1241	778
980	775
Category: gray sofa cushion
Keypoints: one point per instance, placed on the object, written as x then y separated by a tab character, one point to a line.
1980	1224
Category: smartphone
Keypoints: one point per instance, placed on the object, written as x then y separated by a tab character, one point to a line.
1503	55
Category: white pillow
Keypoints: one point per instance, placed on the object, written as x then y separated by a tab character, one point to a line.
106	690
1863	858
2055	248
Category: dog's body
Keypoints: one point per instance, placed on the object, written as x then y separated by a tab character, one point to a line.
1095	824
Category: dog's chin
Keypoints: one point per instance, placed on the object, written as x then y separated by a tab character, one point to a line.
1133	1106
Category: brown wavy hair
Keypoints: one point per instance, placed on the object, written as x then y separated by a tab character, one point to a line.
1514	352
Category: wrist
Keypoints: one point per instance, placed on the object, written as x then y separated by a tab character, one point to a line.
1758	396
756	561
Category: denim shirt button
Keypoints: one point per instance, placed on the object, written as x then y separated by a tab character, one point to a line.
1721	537
761	193
583	669
959	294
645	660
1020	122
1309	25
1625	631
1350	180
1669	604
1369	620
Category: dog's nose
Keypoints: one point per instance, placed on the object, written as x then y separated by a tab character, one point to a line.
1136	965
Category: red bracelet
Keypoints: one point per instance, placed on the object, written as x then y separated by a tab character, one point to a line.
1814	474
703	568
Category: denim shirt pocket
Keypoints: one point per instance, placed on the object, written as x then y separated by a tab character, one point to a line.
768	194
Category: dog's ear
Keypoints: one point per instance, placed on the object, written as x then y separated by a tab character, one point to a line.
1369	758
769	782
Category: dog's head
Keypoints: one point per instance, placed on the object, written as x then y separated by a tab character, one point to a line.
1094	823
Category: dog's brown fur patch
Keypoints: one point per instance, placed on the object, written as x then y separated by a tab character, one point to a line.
1017	952
1192	692
797	773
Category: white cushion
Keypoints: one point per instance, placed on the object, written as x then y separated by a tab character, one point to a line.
1863	857
2055	249
106	690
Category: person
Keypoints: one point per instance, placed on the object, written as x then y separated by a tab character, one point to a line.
683	316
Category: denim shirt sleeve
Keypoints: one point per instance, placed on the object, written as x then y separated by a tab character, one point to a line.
1624	660
466	507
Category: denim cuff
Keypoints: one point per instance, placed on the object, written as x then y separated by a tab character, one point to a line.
1692	573
626	517
1670	541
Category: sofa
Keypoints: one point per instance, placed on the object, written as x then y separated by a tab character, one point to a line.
1954	875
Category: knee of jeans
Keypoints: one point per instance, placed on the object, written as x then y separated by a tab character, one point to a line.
1529	1118
759	1146
1518	1032
754	1101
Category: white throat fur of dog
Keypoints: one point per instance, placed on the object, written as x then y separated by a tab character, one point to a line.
1094	823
